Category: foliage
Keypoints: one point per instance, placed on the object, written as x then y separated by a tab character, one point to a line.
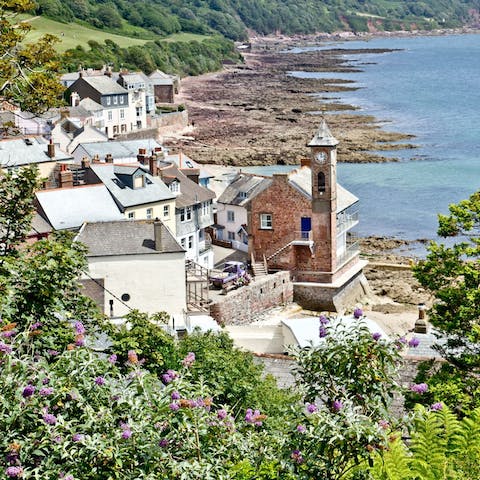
346	353
441	447
28	72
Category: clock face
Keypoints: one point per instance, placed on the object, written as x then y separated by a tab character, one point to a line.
320	157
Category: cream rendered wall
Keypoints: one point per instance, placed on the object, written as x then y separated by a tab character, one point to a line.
155	282
240	218
45	169
140	212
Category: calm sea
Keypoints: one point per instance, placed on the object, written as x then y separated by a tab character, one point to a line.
430	88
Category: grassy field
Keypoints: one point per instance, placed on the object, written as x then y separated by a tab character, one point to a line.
73	34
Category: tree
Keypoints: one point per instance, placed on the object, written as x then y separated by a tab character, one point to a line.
452	274
28	72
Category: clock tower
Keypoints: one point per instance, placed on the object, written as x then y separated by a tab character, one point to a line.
324	197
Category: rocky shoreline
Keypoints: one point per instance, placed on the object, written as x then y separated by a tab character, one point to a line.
258	114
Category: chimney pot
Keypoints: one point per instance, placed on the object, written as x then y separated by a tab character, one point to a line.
109	158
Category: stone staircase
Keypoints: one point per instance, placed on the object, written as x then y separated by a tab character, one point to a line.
259	268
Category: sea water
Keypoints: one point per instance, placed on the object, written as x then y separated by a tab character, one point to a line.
429	88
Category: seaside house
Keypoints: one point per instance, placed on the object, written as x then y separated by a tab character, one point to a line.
134	265
232	204
137	194
193	210
165	86
302	222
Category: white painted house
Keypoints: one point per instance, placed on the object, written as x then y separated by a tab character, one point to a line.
139	265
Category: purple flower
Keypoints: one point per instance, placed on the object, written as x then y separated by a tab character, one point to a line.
419	387
69	477
53	353
79	340
174	406
301	428
28	391
189	360
358	313
175	395
99	381
169	376
254	417
383	424
46	391
112	359
323	320
49	418
163	443
5	348
222	414
376	336
337	405
14	472
46	381
414	342
78	437
79	328
8	333
36	326
311	408
437	406
127	433
297	456
402	340
322	331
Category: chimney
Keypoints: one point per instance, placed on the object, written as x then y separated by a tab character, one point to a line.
108	158
157	232
65	177
108	71
96	159
152	165
85	162
305	162
51	149
192	173
74	99
421	323
141	157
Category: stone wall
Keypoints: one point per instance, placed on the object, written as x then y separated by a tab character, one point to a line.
240	307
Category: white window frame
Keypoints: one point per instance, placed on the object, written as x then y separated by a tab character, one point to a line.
149	213
122	113
188	213
266	221
230	235
230	216
131	215
190	242
109	100
175	187
122	100
183	243
115	100
166	210
109	115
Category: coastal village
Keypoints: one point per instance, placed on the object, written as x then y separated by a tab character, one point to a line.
257	255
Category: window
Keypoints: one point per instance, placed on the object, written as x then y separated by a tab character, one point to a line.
115	129
122	100
109	100
149	213
190	242
131	215
321	182
139	111
242	194
231	235
110	115
166	210
188	212
115	100
205	209
185	214
122	113
174	187
183	243
230	216
123	128
266	221
201	235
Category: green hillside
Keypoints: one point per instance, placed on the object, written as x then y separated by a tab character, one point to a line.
232	18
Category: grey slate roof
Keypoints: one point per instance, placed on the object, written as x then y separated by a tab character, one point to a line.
301	179
120	150
104	85
90	105
160	78
16	152
184	162
323	137
125	237
190	192
243	189
125	196
132	78
67	208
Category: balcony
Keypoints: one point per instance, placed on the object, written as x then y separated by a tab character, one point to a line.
351	251
302	238
204	245
346	220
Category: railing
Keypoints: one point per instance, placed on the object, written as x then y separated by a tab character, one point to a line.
351	250
299	237
205	245
346	220
243	247
303	235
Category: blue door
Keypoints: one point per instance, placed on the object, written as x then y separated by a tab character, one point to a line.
306	226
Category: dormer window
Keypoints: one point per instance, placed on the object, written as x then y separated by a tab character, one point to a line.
139	182
242	194
175	187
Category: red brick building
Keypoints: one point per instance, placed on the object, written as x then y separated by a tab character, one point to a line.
301	223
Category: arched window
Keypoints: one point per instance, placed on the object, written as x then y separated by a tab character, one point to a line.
321	182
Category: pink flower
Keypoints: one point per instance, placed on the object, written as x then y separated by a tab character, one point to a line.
189	360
